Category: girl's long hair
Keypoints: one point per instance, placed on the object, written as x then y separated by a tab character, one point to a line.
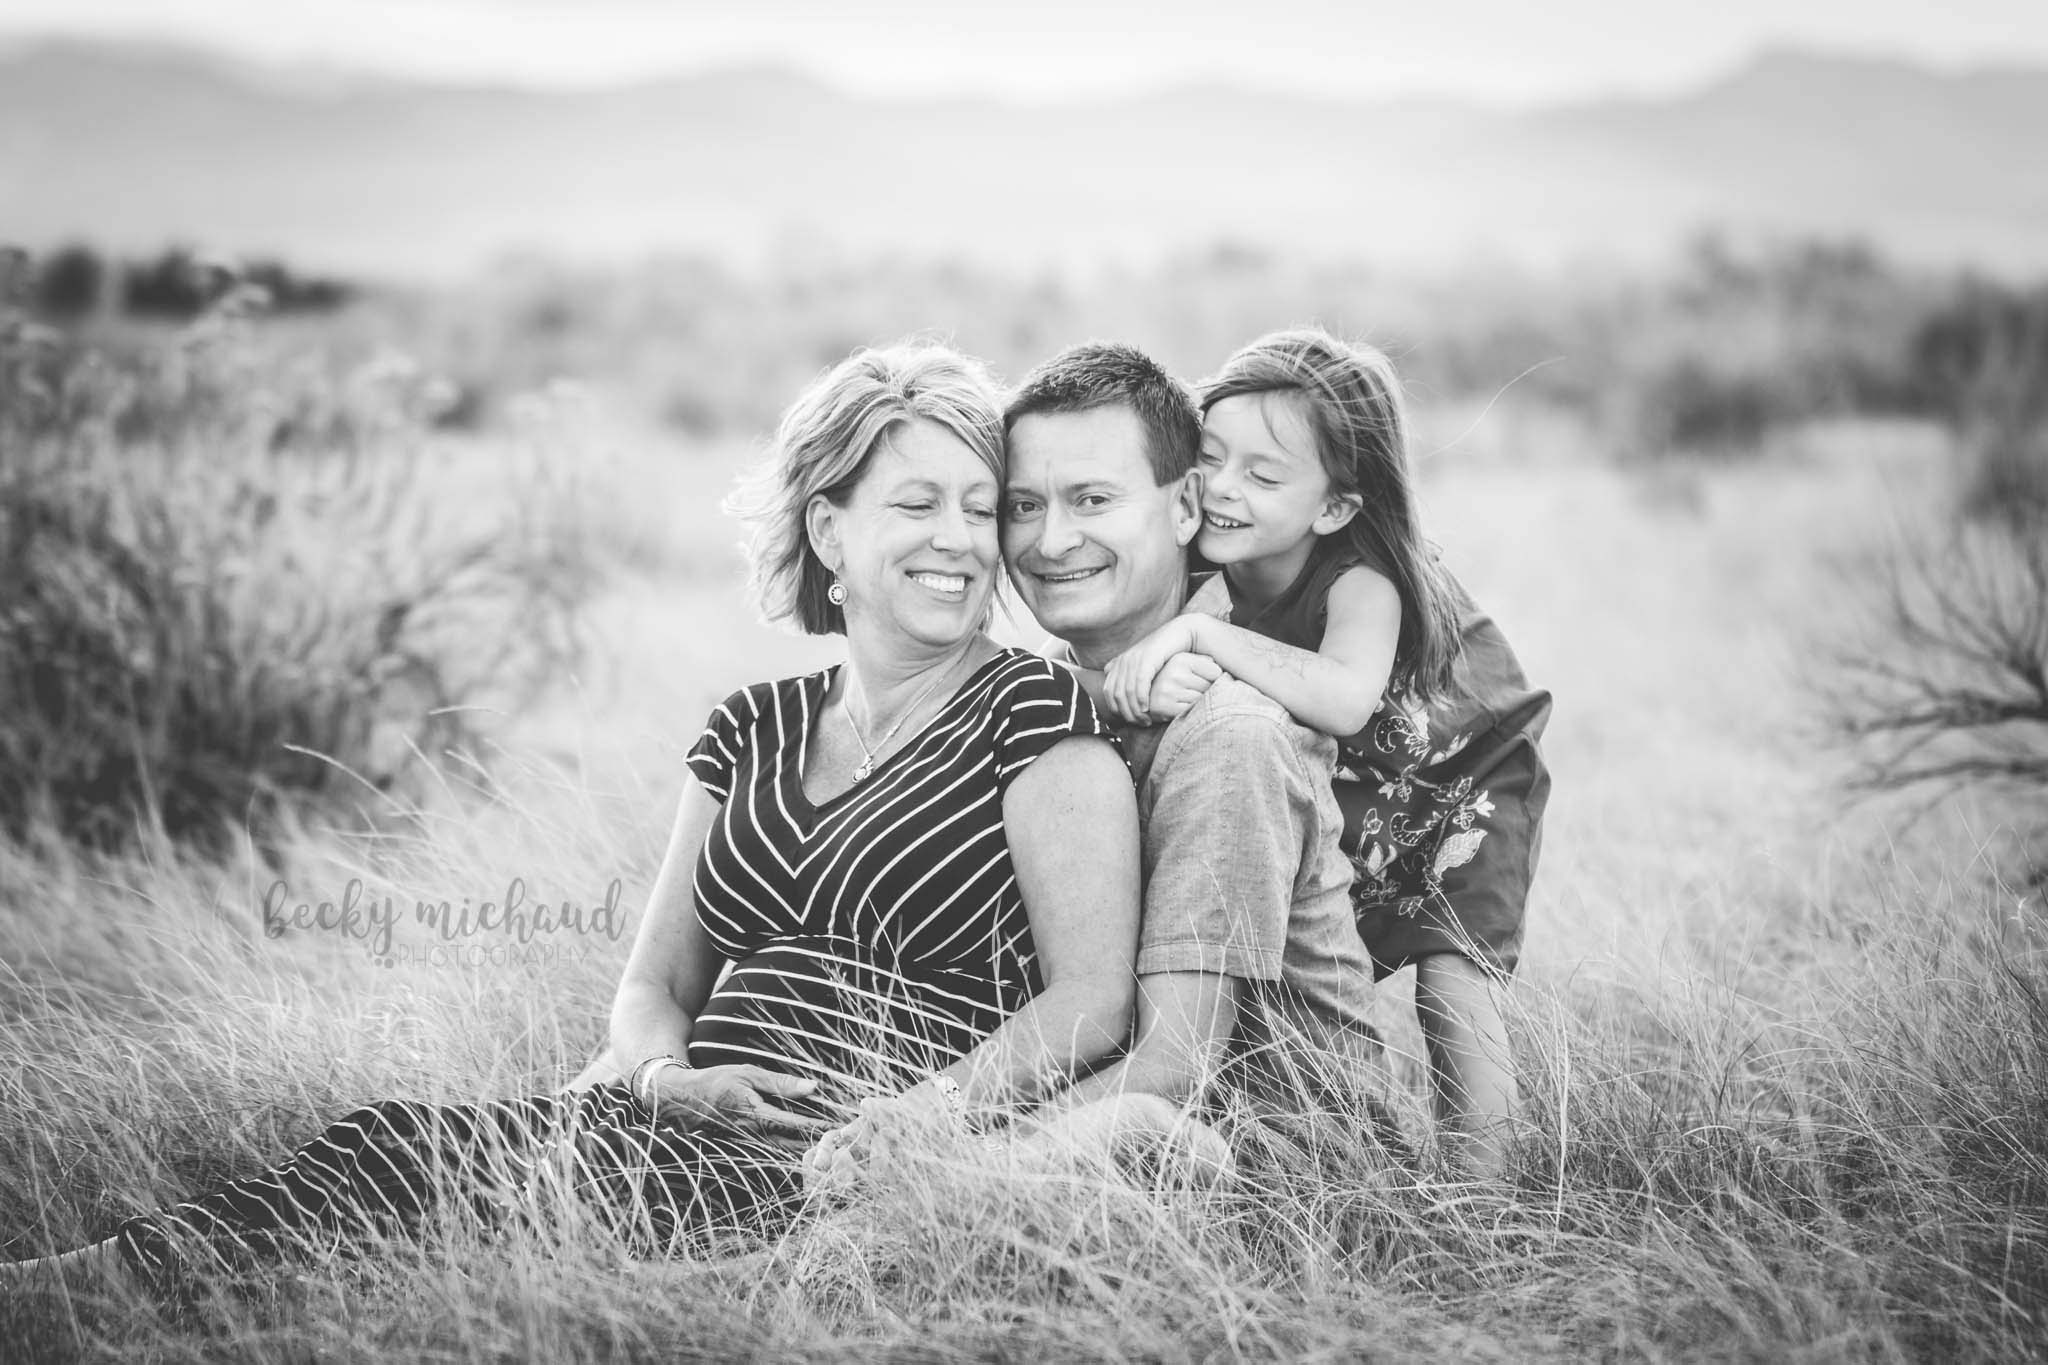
1352	399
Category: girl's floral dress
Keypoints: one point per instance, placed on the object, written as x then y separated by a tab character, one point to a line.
1443	803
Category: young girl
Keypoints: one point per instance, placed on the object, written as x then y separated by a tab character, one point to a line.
1331	602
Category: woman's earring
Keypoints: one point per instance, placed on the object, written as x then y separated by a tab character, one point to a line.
836	594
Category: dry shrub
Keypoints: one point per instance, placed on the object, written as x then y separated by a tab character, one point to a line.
1945	689
224	585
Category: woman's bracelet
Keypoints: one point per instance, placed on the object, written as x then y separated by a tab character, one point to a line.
643	1074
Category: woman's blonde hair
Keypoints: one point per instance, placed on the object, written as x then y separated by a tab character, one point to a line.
822	449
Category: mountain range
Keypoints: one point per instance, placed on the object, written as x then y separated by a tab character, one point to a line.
133	147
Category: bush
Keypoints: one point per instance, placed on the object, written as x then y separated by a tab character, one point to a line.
1947	689
1985	361
1985	334
1690	405
1737	343
71	283
200	621
290	292
179	284
2008	478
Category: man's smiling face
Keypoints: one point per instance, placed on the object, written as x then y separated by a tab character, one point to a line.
1097	549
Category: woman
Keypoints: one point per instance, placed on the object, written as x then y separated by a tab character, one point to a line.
917	871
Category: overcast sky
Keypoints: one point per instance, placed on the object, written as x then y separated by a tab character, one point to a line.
1505	51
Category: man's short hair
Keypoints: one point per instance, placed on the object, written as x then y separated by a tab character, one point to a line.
1097	374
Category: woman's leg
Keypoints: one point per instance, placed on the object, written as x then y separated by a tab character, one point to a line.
381	1167
378	1168
98	1264
666	1191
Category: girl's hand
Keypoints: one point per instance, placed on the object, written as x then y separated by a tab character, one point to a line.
1127	685
740	1097
1179	685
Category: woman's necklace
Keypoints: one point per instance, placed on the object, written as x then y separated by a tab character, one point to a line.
869	754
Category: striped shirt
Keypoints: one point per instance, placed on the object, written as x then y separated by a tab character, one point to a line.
879	935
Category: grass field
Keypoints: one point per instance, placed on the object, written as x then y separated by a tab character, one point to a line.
1785	1061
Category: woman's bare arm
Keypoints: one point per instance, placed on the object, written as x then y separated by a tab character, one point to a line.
672	967
669	975
1071	820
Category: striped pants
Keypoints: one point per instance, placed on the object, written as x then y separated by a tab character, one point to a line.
380	1169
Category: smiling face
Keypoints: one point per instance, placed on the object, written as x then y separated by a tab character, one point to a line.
1096	548
1265	496
915	541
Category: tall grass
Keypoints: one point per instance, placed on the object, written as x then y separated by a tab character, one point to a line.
1845	1155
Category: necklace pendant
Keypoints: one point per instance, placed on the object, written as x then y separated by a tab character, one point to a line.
860	774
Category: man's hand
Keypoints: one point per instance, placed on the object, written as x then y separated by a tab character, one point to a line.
737	1097
1127	684
1179	685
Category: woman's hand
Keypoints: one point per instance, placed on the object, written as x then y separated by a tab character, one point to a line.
734	1097
1179	685
1127	683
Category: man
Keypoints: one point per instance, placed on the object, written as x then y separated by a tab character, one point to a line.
1247	943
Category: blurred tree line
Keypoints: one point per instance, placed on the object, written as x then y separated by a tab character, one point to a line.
1712	356
77	281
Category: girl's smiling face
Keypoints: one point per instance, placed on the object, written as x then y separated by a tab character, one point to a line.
1265	496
